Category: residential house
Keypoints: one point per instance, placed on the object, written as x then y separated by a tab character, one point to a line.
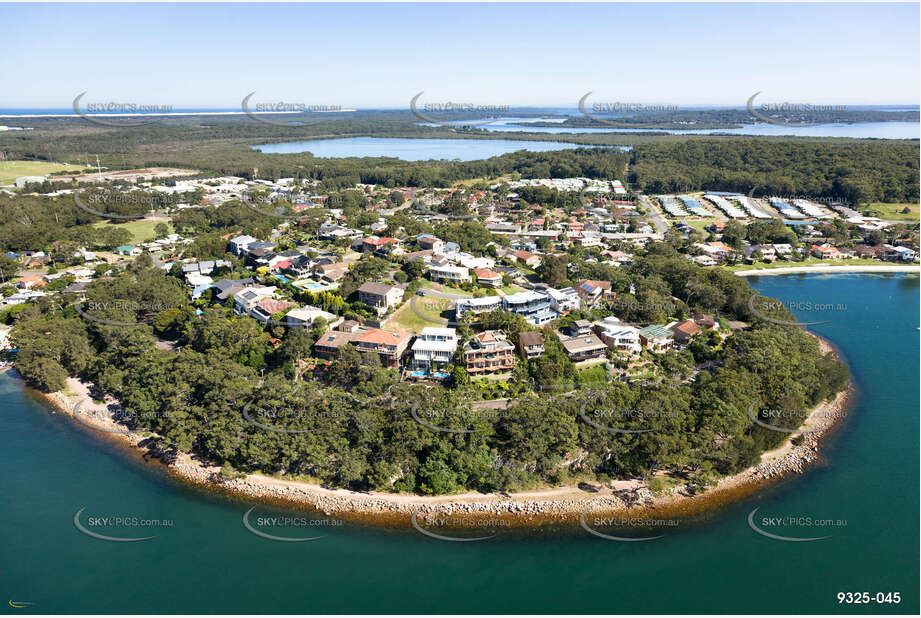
533	306
527	258
826	252
705	321
485	304
584	348
332	272
592	292
619	336
246	299
579	328
488	352
488	278
369	245
530	344
388	345
427	242
684	331
228	287
306	317
267	307
564	300
381	296
656	338
128	250
449	273
434	348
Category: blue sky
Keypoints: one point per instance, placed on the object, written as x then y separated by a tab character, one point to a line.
380	55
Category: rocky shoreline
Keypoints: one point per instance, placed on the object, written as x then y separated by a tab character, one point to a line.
553	506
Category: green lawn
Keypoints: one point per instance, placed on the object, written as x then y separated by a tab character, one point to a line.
511	289
894	211
11	170
812	261
141	230
405	319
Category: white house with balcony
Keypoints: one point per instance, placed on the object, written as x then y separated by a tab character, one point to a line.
434	347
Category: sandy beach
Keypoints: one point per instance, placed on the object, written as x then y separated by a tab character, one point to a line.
869	268
527	508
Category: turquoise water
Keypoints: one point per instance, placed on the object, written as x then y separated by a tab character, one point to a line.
412	149
208	562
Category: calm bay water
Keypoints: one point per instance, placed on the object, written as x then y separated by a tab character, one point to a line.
207	562
413	149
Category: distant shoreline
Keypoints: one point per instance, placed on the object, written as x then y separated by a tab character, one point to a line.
867	268
559	505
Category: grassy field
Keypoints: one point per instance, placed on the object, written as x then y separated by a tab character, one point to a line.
812	261
141	229
407	320
11	170
894	211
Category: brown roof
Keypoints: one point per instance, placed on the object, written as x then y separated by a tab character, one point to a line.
336	339
379	289
530	338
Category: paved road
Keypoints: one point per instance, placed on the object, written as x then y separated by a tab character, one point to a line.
654	214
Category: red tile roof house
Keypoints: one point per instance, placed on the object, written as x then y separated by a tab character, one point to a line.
682	332
487	277
527	258
374	243
826	252
31	281
267	307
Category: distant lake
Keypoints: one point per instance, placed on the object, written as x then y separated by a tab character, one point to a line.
413	149
880	130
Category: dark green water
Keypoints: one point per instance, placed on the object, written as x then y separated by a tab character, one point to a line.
207	562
